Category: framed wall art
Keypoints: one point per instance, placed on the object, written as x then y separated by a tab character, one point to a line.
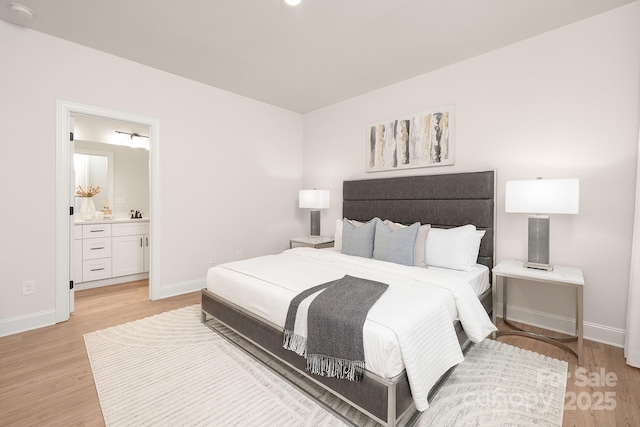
417	141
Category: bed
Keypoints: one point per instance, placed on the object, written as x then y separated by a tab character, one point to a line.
236	295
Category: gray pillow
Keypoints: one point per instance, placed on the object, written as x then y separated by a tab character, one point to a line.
395	245
419	248
358	240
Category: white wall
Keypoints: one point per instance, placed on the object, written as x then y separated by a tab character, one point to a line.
231	166
563	104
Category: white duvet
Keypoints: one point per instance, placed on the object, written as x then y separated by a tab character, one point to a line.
416	311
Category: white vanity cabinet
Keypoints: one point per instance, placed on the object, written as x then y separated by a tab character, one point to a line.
110	252
129	248
96	252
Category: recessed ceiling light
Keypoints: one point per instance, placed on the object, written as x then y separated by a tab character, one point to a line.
292	2
21	10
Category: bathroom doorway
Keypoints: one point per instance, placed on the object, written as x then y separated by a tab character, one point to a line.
66	111
111	159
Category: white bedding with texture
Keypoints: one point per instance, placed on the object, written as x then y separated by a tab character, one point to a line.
477	278
395	336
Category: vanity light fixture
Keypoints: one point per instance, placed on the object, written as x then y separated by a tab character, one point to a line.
135	141
134	134
21	10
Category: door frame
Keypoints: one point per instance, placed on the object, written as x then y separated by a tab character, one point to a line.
64	111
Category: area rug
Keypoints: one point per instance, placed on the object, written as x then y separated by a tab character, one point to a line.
501	385
170	369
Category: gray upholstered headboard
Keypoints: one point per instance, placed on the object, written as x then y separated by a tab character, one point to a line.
447	200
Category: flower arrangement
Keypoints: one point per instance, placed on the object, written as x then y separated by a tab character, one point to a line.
89	192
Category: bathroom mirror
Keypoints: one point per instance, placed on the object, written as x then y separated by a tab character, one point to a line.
96	168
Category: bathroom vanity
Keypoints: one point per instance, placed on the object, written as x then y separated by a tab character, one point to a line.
110	251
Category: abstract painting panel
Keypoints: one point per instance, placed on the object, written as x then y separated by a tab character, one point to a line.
420	140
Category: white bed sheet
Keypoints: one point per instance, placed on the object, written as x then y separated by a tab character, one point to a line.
477	278
271	302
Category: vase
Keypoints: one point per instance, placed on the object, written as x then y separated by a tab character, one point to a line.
87	209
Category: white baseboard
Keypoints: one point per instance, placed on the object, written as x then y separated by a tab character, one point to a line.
167	291
565	325
15	325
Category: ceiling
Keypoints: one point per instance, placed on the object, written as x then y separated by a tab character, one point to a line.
305	57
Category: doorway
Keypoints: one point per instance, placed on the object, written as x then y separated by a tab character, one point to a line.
65	112
113	156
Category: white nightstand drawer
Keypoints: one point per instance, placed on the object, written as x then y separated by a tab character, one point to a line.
96	230
96	248
96	269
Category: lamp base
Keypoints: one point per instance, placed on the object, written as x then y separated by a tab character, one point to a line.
315	223
538	245
538	266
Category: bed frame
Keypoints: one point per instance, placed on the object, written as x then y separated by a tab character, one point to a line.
444	201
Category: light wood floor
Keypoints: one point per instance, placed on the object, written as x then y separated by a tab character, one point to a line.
45	377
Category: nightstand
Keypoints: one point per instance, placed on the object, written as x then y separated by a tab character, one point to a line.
560	275
317	242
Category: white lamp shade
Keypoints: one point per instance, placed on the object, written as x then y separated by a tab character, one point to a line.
314	199
543	196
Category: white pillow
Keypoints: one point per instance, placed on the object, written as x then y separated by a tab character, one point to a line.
454	248
475	249
337	240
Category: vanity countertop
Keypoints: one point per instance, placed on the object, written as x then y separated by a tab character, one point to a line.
110	221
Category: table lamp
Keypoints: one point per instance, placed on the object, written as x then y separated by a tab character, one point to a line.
541	197
314	200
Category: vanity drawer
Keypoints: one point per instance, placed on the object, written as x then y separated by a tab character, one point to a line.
96	248
96	269
96	230
130	229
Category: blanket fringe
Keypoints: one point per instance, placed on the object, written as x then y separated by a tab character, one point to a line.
333	367
295	343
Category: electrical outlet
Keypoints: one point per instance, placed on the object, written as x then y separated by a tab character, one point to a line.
239	255
121	200
212	259
28	287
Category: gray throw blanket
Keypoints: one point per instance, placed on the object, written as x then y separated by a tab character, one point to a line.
336	316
